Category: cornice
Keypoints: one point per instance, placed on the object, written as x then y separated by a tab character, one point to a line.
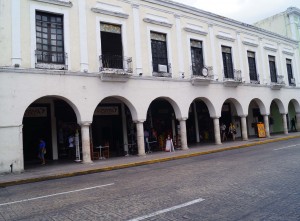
192	30
293	10
57	2
217	18
248	43
225	38
161	23
112	13
270	48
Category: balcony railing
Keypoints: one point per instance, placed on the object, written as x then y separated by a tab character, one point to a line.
279	84
292	82
116	64
51	60
201	76
233	81
163	70
257	81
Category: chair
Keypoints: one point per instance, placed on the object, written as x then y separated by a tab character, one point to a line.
105	151
95	155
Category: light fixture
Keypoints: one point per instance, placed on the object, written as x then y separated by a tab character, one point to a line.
140	74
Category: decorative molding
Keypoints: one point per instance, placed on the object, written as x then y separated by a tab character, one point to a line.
270	48
191	30
135	6
57	2
287	52
161	23
111	13
226	38
248	43
112	76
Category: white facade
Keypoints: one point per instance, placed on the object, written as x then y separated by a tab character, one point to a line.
83	85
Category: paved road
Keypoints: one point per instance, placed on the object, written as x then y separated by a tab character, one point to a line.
255	183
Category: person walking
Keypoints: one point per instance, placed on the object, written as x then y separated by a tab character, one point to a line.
223	132
232	131
42	151
169	144
293	125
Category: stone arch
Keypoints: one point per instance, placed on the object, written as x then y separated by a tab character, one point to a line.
211	108
239	108
261	106
280	106
296	105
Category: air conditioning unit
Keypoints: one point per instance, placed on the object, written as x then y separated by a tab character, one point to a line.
293	80
162	68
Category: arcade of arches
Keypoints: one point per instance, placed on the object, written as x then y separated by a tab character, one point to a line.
112	126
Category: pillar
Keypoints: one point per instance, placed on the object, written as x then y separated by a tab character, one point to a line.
217	130
244	128
16	32
183	134
298	121
137	38
267	126
179	45
84	62
213	51
86	144
196	123
140	138
284	122
124	127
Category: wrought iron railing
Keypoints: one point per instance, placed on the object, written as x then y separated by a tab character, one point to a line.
292	82
204	72
255	81
168	73
115	63
51	60
237	76
280	79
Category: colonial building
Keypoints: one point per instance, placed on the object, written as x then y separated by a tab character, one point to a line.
121	72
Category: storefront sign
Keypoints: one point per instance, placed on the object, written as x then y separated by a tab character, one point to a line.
36	112
261	132
111	110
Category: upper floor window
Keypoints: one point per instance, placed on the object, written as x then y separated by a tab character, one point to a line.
272	66
227	62
111	46
290	72
159	52
49	40
197	57
252	66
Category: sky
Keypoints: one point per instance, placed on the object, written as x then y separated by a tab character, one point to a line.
247	11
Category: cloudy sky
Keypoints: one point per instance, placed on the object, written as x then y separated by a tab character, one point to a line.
248	11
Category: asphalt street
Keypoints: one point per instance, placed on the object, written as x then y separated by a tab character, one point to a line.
255	183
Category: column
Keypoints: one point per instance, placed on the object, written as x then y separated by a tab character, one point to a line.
284	122
244	128
183	134
54	133
267	126
137	38
213	50
84	63
85	141
217	130
263	74
282	64
245	76
296	72
124	127
179	46
293	27
16	32
196	123
140	138
298	121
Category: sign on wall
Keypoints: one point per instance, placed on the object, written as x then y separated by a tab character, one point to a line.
36	112
110	110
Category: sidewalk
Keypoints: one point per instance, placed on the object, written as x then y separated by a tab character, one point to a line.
60	169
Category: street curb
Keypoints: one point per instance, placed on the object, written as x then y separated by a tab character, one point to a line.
140	163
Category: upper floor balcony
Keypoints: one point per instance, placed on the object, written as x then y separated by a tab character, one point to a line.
201	75
51	60
232	79
278	82
115	67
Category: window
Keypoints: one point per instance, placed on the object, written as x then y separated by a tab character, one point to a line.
252	66
197	57
227	62
111	46
159	51
290	72
272	66
49	38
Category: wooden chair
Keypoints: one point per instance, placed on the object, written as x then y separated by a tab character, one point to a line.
95	155
105	151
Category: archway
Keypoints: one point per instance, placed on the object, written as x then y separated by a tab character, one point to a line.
200	127
276	117
54	120
113	129
292	120
256	110
161	122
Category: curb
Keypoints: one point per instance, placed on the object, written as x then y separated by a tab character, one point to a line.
140	163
